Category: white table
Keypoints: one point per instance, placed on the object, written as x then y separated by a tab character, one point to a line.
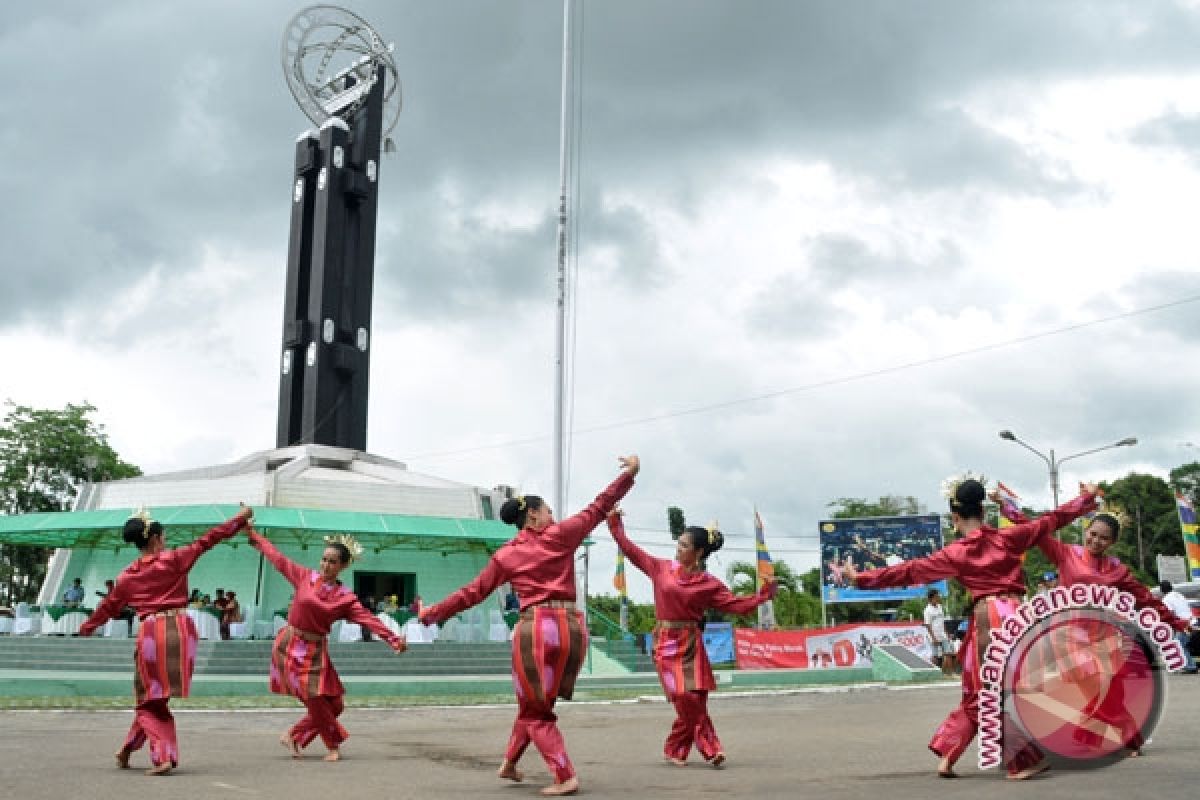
207	626
67	624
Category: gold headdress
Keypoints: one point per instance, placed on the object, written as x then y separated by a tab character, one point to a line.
520	502
715	537
950	485
1115	511
349	542
144	515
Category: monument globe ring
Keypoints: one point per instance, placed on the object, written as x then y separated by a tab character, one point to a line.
331	59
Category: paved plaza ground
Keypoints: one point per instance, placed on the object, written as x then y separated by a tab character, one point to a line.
864	743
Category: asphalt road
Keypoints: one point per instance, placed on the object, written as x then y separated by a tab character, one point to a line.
867	743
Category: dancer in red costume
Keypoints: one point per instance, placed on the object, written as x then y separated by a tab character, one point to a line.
156	587
683	591
300	664
1090	655
549	640
987	561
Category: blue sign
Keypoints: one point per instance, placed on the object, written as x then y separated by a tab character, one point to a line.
718	642
871	543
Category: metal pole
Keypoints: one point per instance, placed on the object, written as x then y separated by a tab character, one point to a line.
1054	477
561	316
1137	510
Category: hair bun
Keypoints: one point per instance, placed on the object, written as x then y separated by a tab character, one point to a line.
970	492
510	512
134	531
716	540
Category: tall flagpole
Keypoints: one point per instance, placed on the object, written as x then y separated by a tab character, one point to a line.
560	499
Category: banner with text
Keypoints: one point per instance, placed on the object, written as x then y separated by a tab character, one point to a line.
826	648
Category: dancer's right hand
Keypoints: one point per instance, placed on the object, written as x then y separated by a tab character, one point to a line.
631	464
1090	488
246	512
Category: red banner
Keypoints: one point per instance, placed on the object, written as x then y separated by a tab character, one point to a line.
825	648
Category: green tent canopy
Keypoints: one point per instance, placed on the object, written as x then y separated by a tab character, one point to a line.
298	526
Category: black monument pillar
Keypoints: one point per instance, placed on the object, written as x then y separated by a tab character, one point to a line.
325	364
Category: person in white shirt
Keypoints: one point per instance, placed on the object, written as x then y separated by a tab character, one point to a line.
935	622
1180	608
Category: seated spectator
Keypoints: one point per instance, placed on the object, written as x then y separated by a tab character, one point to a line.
415	606
231	612
73	596
194	599
219	603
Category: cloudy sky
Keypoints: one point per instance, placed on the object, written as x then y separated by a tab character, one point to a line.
825	249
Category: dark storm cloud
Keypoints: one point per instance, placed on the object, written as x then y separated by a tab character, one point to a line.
141	132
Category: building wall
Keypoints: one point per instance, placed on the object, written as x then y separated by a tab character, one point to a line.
238	568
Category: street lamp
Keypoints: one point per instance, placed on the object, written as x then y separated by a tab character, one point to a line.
1053	464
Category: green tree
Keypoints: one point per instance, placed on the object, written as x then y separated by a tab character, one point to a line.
796	605
45	456
675	521
886	506
1186	478
1151	524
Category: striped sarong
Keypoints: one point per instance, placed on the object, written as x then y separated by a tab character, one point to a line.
300	666
165	657
681	659
548	647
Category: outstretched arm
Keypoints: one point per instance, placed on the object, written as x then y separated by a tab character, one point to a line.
727	601
1146	599
470	595
640	558
1024	536
361	616
109	607
190	552
295	573
570	533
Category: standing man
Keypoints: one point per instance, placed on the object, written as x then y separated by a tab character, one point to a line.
1180	608
73	596
935	623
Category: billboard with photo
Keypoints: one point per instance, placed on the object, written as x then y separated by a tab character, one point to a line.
873	542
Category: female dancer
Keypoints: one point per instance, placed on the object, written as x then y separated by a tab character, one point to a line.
1089	656
683	591
300	664
987	561
550	640
156	586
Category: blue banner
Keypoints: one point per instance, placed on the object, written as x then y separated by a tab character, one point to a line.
873	542
718	642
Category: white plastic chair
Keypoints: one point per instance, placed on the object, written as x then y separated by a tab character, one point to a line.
416	633
451	630
6	624
26	622
497	630
350	632
116	629
241	630
474	622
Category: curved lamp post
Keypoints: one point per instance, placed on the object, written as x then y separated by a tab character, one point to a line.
1053	463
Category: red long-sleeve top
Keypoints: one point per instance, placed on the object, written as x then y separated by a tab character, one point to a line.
681	596
157	582
318	604
1077	565
540	565
986	561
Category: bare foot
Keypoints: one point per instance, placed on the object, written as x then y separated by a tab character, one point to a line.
1135	753
569	786
289	744
718	761
679	762
1029	772
946	769
160	769
333	755
122	757
508	770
